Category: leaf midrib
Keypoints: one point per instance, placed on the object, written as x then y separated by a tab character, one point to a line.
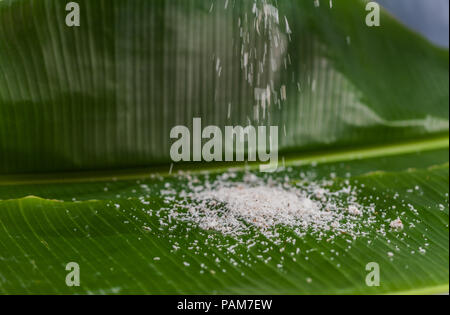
334	156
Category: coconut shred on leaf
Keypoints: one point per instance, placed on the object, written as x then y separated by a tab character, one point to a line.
237	208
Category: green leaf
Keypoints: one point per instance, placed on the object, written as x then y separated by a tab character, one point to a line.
116	251
369	105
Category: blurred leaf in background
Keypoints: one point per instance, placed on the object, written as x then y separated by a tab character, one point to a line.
106	94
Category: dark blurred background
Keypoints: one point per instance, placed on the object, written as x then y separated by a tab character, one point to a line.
429	17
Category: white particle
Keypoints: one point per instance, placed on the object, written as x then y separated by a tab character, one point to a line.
397	224
348	40
288	29
283	93
353	210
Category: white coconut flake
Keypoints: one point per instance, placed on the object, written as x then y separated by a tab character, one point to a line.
352	209
397	224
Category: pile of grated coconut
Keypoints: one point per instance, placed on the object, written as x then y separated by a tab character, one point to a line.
235	208
247	217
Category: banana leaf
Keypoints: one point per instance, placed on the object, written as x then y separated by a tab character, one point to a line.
85	120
